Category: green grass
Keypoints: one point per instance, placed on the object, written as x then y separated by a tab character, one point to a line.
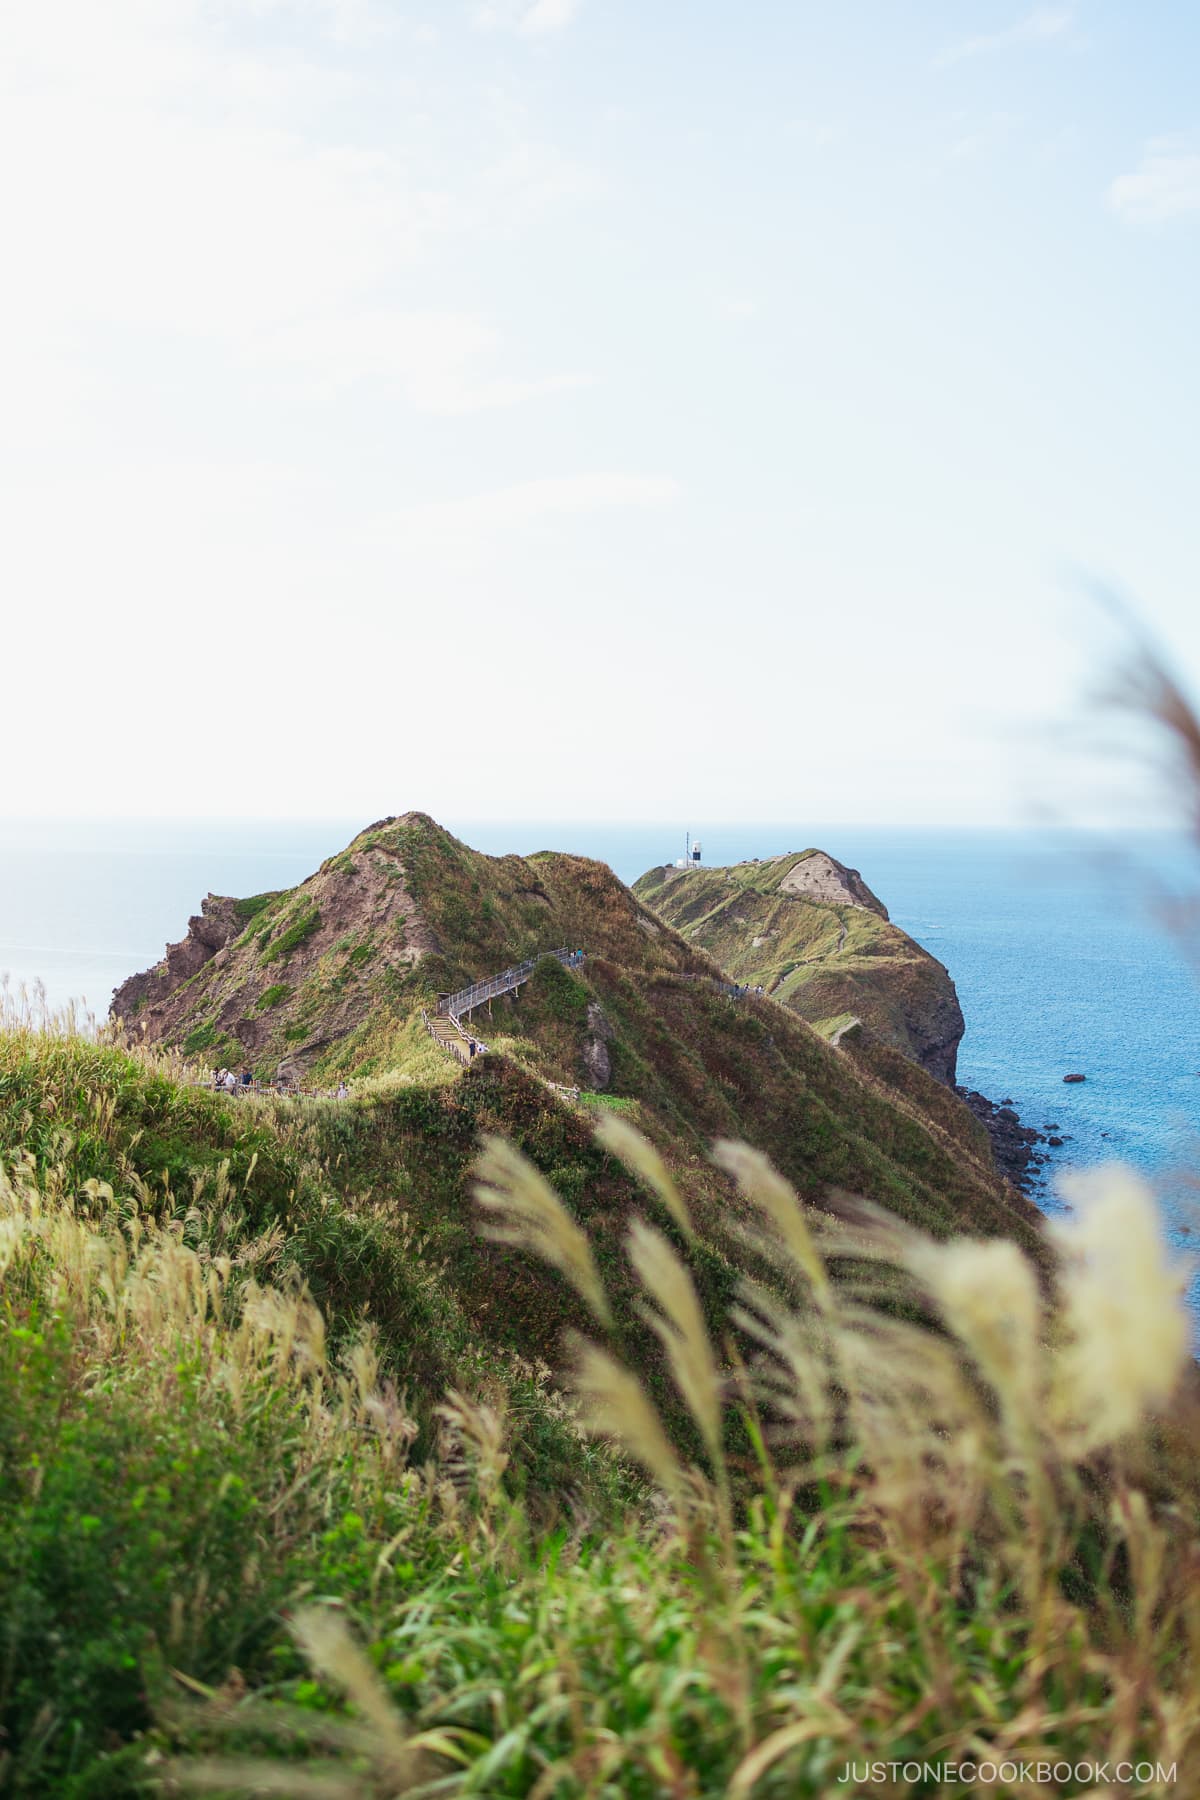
293	936
250	908
223	1470
271	996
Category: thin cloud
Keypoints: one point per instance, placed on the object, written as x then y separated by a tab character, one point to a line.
1164	186
737	306
528	18
1041	26
433	357
528	502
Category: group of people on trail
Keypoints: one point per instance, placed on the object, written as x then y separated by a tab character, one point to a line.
227	1082
574	957
743	990
226	1079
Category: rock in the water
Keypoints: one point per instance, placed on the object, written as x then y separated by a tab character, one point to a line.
1074	1077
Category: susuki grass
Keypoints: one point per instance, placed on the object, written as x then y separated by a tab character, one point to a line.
911	1499
953	1541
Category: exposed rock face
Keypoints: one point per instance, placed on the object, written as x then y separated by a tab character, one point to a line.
810	931
594	1053
207	933
934	1024
818	876
252	976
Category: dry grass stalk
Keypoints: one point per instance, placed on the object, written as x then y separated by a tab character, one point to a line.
1126	1330
616	1406
641	1158
677	1321
531	1215
780	1204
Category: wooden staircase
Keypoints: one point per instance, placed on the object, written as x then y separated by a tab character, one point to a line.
446	1026
448	1033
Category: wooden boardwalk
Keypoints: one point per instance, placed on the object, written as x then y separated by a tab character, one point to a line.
446	1026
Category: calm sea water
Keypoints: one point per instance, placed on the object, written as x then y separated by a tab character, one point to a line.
1059	960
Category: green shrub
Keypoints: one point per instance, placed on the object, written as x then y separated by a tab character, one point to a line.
279	990
250	908
295	934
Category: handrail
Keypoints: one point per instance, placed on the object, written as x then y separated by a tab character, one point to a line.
467	999
451	1045
451	1007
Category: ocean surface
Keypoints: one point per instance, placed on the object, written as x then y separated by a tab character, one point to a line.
1057	945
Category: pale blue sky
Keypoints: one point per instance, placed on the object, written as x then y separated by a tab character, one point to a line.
589	408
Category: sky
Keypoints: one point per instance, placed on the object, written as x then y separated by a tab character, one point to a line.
589	408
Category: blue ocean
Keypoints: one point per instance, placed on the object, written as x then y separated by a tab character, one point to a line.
1064	950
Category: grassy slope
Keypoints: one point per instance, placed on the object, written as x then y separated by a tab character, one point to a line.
348	1184
700	1065
171	1487
878	974
365	1227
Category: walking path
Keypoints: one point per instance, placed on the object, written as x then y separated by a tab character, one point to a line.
446	1025
276	1089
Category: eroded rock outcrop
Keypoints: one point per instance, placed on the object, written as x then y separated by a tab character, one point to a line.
208	932
594	1053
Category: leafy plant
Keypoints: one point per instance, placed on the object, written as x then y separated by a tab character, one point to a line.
250	908
295	934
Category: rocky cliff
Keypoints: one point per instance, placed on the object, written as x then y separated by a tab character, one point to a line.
813	935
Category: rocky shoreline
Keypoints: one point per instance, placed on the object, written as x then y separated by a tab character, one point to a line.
1014	1145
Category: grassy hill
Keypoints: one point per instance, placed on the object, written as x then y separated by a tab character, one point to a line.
407	910
812	933
326	976
290	1502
